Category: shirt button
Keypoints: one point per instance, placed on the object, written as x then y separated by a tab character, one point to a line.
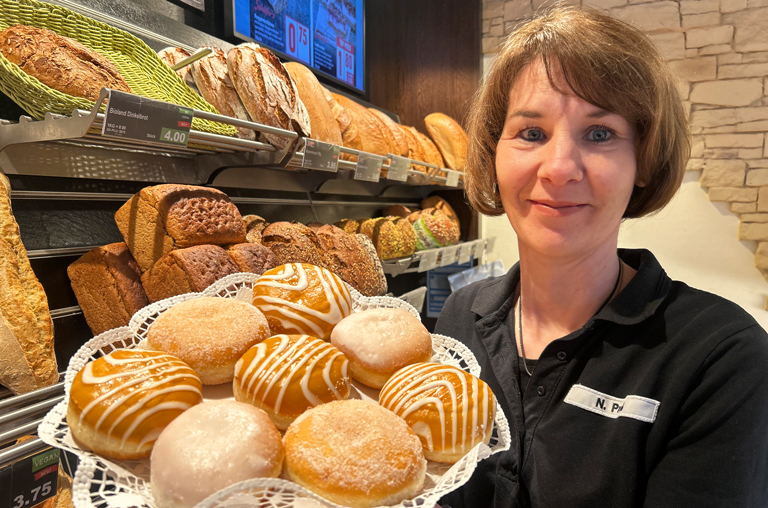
541	391
561	356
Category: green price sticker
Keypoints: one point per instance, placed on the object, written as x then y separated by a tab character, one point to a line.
173	136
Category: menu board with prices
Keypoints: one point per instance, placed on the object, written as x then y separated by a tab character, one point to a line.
321	156
29	482
130	116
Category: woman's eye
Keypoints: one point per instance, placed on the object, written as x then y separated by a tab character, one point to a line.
532	135
600	135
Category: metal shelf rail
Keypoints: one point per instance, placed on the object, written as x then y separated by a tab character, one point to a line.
424	260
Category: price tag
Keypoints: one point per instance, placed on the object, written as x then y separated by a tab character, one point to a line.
449	254
345	61
320	156
428	260
134	117
465	252
30	481
296	39
479	250
452	180
398	168
368	167
491	244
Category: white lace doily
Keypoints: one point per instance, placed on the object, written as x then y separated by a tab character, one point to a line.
105	483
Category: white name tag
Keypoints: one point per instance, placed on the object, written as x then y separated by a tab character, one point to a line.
632	406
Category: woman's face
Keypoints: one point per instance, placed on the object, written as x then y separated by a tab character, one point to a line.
565	169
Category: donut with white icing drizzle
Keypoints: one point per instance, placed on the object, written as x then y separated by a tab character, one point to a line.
450	410
287	374
119	403
299	298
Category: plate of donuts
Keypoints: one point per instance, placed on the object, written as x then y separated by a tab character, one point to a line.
286	389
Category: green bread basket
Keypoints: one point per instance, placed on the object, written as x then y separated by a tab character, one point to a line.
142	69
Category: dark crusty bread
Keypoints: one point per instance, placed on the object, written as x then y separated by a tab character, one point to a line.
314	226
187	270
321	118
267	91
398	138
253	257
294	243
434	229
60	62
254	225
27	359
172	56
162	218
212	78
393	237
347	258
370	250
107	284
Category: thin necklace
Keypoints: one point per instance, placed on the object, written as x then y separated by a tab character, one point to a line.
616	286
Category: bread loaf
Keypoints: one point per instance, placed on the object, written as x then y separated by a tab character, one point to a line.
415	150
162	218
212	78
267	91
450	139
348	225
440	204
27	358
187	271
393	237
321	119
396	211
370	250
401	144
294	243
172	56
430	150
107	284
347	259
253	257
374	135
254	225
60	62
350	134
434	229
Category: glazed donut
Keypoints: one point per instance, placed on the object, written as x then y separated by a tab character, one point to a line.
379	342
301	299
354	453
450	410
119	403
210	447
210	334
287	374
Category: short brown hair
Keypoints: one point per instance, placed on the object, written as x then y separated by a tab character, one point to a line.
605	62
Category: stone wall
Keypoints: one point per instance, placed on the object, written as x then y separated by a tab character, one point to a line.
718	49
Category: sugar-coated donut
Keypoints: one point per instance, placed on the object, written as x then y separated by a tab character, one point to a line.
210	334
302	299
217	444
287	374
119	403
378	342
450	410
354	453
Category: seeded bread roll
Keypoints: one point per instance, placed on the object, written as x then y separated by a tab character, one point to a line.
370	250
450	139
401	144
348	225
440	204
172	56
321	118
347	259
294	243
252	257
435	229
393	237
211	75
254	226
163	218
107	284
60	62
375	136
187	271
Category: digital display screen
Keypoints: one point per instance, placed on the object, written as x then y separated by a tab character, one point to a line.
326	35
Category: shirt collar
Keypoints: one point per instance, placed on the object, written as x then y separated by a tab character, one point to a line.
636	302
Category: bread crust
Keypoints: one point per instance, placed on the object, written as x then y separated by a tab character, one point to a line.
415	150
398	138
321	118
433	228
60	62
370	250
430	150
374	135
253	257
393	237
440	204
450	139
171	56
347	259
293	242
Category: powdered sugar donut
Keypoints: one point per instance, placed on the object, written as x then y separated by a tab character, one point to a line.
220	443
378	342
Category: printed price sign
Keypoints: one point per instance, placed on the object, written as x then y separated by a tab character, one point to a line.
452	180
491	244
479	250
465	252
368	167
134	117
296	39
428	260
321	156
345	61
30	481
398	168
448	256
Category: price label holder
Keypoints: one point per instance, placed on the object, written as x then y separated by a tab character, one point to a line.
137	118
465	252
398	168
320	156
449	255
491	244
29	482
479	250
368	167
452	180
428	260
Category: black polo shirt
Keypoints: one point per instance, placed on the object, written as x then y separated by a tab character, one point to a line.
661	400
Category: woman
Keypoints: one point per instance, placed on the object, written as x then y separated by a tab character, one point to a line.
622	387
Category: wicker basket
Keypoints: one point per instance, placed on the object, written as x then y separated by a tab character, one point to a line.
142	69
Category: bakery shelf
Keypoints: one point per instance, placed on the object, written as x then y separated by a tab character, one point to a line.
425	260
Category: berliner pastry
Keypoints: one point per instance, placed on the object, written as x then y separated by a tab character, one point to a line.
450	410
119	403
210	334
379	342
287	374
354	453
302	299
212	446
